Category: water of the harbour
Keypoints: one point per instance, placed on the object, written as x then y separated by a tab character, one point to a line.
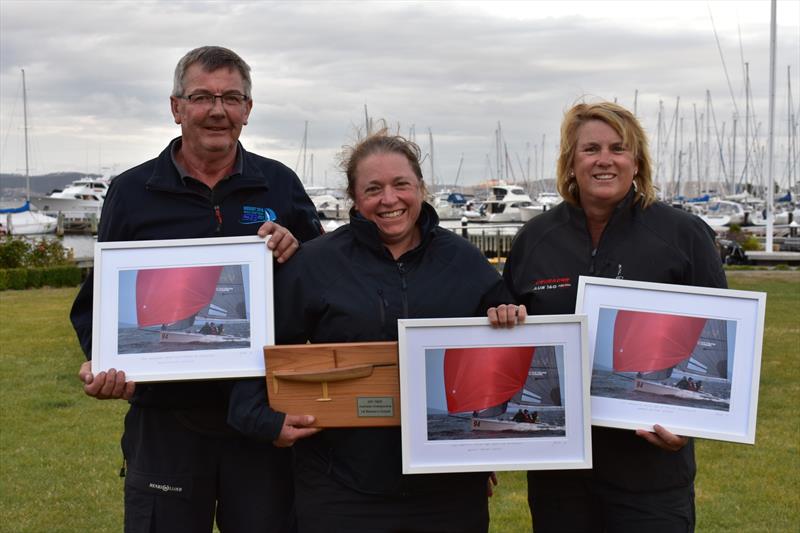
611	385
458	427
82	246
137	341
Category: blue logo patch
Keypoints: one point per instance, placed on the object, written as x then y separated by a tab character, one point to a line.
257	215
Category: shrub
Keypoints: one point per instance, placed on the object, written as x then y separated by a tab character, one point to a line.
26	278
17	252
750	243
34	279
17	278
44	262
48	252
14	252
62	276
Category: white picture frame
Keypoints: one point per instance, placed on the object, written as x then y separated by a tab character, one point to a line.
721	329
433	352
141	284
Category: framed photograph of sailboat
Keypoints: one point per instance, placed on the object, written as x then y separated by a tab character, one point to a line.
182	309
475	398
686	358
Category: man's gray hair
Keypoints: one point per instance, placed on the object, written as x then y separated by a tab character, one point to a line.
211	58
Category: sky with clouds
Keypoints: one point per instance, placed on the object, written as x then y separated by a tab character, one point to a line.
99	75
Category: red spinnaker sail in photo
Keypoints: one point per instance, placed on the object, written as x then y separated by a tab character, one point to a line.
477	378
167	295
647	342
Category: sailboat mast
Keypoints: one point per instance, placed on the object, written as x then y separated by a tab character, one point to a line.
541	161
697	148
658	177
509	170
744	178
675	148
527	161
771	128
305	149
458	172
25	129
733	156
678	190
498	136
301	155
790	128
433	176
707	172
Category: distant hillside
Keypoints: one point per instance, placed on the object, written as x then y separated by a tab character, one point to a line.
13	185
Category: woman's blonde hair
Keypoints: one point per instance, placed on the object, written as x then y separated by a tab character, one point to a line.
633	137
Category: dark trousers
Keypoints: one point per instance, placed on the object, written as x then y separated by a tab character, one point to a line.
325	505
585	505
179	478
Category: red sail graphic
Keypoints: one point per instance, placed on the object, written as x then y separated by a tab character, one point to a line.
647	342
167	295
477	378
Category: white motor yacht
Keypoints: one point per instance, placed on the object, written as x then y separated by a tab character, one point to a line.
84	195
504	203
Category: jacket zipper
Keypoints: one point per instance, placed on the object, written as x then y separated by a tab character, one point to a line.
218	216
403	287
382	305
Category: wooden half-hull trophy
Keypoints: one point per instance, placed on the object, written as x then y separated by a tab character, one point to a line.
342	385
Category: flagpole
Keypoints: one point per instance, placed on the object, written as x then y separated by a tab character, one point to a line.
771	133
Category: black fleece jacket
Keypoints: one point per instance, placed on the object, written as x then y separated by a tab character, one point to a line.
346	287
659	244
152	201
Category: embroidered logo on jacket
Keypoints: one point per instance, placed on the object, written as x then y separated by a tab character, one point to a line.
257	215
551	283
164	487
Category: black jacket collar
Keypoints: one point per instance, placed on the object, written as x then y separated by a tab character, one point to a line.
366	232
165	176
626	205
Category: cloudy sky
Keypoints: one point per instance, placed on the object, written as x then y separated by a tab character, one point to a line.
99	76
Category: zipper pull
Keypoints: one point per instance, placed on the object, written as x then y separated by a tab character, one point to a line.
218	216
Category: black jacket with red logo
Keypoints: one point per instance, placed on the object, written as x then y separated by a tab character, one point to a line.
658	244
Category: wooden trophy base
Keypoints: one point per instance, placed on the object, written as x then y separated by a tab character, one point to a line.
342	385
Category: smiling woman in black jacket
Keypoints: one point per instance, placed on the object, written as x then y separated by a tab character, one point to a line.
610	225
392	261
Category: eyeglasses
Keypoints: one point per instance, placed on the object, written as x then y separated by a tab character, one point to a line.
208	99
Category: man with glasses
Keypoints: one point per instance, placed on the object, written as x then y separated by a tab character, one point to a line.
184	463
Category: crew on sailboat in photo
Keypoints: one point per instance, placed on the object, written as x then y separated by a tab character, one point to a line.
176	298
492	383
654	345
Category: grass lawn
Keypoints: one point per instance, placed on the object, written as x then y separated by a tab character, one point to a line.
60	457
